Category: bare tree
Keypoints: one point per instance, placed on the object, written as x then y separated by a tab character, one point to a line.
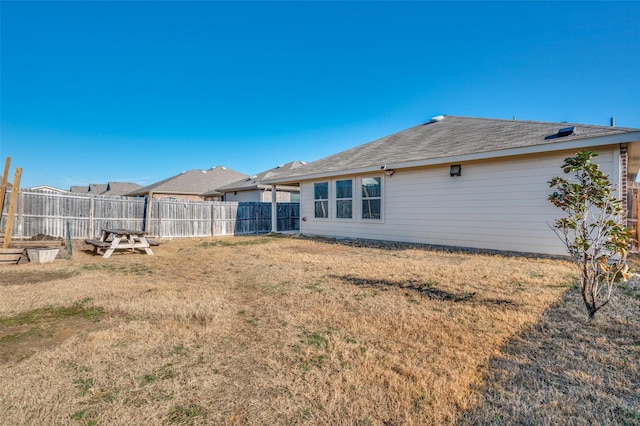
592	231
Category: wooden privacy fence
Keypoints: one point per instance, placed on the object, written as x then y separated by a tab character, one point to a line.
74	216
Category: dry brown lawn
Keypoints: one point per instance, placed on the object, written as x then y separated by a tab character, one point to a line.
283	331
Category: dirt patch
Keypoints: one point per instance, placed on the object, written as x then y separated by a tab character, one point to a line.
44	237
20	342
27	333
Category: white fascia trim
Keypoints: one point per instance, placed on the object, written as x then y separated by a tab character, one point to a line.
315	176
535	149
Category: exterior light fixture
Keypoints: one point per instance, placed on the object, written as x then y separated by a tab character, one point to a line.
389	172
455	170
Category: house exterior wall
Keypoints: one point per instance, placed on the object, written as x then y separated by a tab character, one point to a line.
243	196
257	196
499	204
184	197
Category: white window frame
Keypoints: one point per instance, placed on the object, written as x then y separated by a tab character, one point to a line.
361	199
352	199
327	200
356	199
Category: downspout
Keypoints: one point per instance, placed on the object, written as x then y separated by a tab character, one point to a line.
624	157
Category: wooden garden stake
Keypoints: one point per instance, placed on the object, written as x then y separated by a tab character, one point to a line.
12	207
3	190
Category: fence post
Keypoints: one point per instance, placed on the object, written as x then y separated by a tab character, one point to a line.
159	218
19	228
274	209
147	219
91	217
213	219
12	207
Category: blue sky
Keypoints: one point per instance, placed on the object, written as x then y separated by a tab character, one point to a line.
122	91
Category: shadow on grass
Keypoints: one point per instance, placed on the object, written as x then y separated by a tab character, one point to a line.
427	289
28	277
567	370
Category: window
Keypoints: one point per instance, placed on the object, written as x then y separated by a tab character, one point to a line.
344	199
321	198
371	197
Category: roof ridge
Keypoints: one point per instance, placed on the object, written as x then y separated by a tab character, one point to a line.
568	123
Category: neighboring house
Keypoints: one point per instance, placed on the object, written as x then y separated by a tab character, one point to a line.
189	185
92	189
252	188
111	188
458	182
48	188
77	189
97	188
120	188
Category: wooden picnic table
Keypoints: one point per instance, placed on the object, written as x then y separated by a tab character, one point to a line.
120	239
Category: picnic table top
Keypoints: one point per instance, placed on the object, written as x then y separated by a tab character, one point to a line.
120	231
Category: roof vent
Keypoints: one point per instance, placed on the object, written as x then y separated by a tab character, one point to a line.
204	171
566	131
436	119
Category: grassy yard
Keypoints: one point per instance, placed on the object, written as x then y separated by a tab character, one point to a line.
285	331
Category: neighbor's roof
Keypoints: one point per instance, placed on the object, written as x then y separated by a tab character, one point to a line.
193	182
48	188
111	188
455	139
97	188
93	188
120	188
79	189
255	182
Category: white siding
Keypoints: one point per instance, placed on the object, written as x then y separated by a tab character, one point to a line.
257	196
243	196
281	196
495	204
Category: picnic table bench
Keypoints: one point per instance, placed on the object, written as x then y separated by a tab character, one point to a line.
121	239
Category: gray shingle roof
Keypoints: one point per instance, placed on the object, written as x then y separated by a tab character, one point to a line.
451	137
120	188
93	188
255	181
193	182
97	188
76	189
